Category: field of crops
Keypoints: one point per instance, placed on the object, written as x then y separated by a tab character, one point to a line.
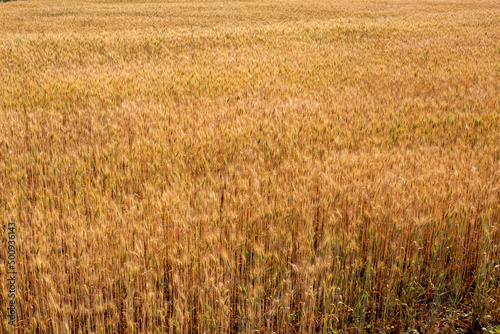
268	166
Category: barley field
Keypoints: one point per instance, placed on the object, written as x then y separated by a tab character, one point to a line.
267	166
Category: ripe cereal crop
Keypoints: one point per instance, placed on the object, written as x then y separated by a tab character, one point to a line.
275	166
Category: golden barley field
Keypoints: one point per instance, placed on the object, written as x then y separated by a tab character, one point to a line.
267	166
